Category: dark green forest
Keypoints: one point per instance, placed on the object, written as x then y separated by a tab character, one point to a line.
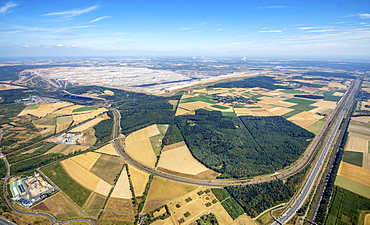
242	146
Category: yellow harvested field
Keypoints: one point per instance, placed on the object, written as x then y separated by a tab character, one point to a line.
103	188
304	122
86	160
142	151
181	111
278	111
367	219
307	89
62	126
108	149
243	112
260	112
42	111
194	105
68	110
90	123
221	214
109	92
139	180
99	111
66	149
173	146
355	173
78	118
356	144
45	130
244	219
137	136
325	104
306	115
152	130
338	94
366	160
163	190
81	175
122	188
9	87
361	119
337	85
181	160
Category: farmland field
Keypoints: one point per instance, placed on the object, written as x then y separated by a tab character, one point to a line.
353	186
94	205
163	190
353	157
66	149
355	173
107	167
181	160
86	108
60	177
122	187
139	180
107	149
85	178
86	160
60	207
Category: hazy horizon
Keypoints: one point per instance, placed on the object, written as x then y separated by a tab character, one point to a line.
313	29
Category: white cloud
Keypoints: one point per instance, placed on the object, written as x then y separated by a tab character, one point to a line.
7	6
100	18
364	15
270	31
73	12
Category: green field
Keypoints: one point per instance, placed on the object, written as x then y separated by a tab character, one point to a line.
232	114
232	208
291	113
156	142
346	207
32	107
303	107
59	176
64	119
220	193
107	167
300	101
95	205
207	99
354	158
292	91
219	107
353	186
316	127
86	108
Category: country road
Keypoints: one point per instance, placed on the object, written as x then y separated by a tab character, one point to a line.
221	183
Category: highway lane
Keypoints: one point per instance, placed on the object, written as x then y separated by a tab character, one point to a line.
298	202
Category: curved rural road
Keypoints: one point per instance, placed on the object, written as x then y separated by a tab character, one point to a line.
221	183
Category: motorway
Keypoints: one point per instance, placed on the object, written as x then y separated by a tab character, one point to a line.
299	201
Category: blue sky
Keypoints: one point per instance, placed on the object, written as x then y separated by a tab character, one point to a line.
185	28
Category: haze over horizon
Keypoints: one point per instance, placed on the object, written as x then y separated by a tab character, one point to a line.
185	28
